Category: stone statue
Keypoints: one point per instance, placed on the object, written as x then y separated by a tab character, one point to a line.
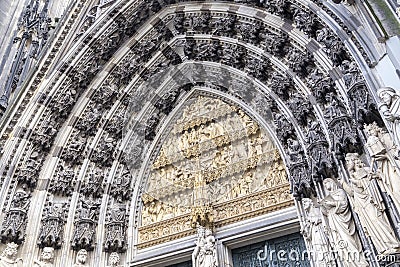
46	258
390	108
8	256
315	233
336	207
114	260
81	258
387	170
368	205
205	252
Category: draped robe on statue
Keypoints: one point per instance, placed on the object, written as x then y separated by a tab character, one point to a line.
336	207
391	110
371	215
8	263
388	172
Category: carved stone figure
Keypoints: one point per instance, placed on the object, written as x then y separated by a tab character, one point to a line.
14	225
276	44
334	108
224	25
314	133
64	102
286	129
63	183
343	135
85	224
205	252
276	175
73	151
117	122
8	256
115	229
294	150
28	173
387	170
87	124
390	108
299	62
43	137
315	232
81	258
351	73
336	207
46	258
321	84
301	108
368	205
332	46
120	188
93	185
281	85
152	212
103	154
114	260
52	230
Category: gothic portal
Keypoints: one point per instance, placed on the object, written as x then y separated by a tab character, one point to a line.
200	133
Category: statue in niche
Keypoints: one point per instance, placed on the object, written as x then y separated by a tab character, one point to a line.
314	231
81	258
14	225
368	204
46	258
387	170
337	209
114	260
294	150
205	252
8	256
390	108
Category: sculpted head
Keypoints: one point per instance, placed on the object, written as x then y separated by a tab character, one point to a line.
10	251
47	254
330	185
114	259
307	203
386	94
371	129
352	161
81	256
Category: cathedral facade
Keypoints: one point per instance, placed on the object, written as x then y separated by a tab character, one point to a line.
166	133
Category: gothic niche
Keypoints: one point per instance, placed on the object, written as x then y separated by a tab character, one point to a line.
216	166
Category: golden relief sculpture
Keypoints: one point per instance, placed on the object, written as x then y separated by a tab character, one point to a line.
216	167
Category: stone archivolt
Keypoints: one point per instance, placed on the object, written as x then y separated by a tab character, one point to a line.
251	54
